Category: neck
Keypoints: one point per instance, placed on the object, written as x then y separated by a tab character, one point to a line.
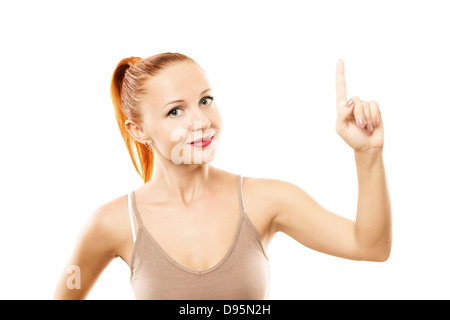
181	183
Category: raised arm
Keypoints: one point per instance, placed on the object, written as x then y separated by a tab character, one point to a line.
298	215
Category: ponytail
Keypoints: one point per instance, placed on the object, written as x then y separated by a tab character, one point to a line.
127	91
124	109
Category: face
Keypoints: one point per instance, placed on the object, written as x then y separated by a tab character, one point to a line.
180	118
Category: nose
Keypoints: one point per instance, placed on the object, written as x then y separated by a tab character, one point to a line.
199	121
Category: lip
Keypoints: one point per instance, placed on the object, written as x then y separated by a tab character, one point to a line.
202	139
202	142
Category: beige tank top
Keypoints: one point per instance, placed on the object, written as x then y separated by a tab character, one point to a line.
242	274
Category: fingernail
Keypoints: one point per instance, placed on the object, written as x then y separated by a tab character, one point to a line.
362	122
349	103
368	130
374	122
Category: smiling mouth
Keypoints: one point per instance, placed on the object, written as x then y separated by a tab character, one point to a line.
203	142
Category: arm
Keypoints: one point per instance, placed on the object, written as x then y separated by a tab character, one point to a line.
368	237
373	226
360	125
94	250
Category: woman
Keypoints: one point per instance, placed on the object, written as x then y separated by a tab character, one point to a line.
192	231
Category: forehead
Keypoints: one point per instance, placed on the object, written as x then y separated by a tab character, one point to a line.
176	81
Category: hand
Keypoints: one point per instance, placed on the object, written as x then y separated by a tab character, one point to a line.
358	122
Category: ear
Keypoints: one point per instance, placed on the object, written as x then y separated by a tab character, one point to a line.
136	132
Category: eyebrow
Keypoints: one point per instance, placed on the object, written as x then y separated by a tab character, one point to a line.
181	100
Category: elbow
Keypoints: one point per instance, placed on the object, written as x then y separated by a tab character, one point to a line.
376	251
380	254
381	257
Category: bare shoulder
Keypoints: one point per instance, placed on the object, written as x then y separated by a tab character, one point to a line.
268	192
266	201
110	225
263	198
274	195
109	214
100	240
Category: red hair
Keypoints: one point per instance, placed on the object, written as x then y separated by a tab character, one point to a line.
127	91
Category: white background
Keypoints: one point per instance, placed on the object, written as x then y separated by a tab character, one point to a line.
272	67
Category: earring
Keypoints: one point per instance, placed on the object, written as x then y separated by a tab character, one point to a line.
146	144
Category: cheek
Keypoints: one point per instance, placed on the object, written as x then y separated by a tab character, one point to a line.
172	138
216	120
177	137
163	136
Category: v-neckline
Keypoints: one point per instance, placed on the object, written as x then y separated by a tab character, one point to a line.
172	260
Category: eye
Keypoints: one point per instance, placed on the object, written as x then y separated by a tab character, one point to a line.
205	101
174	112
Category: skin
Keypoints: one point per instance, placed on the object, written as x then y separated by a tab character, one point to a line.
191	209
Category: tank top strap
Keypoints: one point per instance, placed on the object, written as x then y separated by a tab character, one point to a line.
135	210
132	210
240	194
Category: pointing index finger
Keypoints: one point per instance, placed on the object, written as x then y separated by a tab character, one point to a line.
341	91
